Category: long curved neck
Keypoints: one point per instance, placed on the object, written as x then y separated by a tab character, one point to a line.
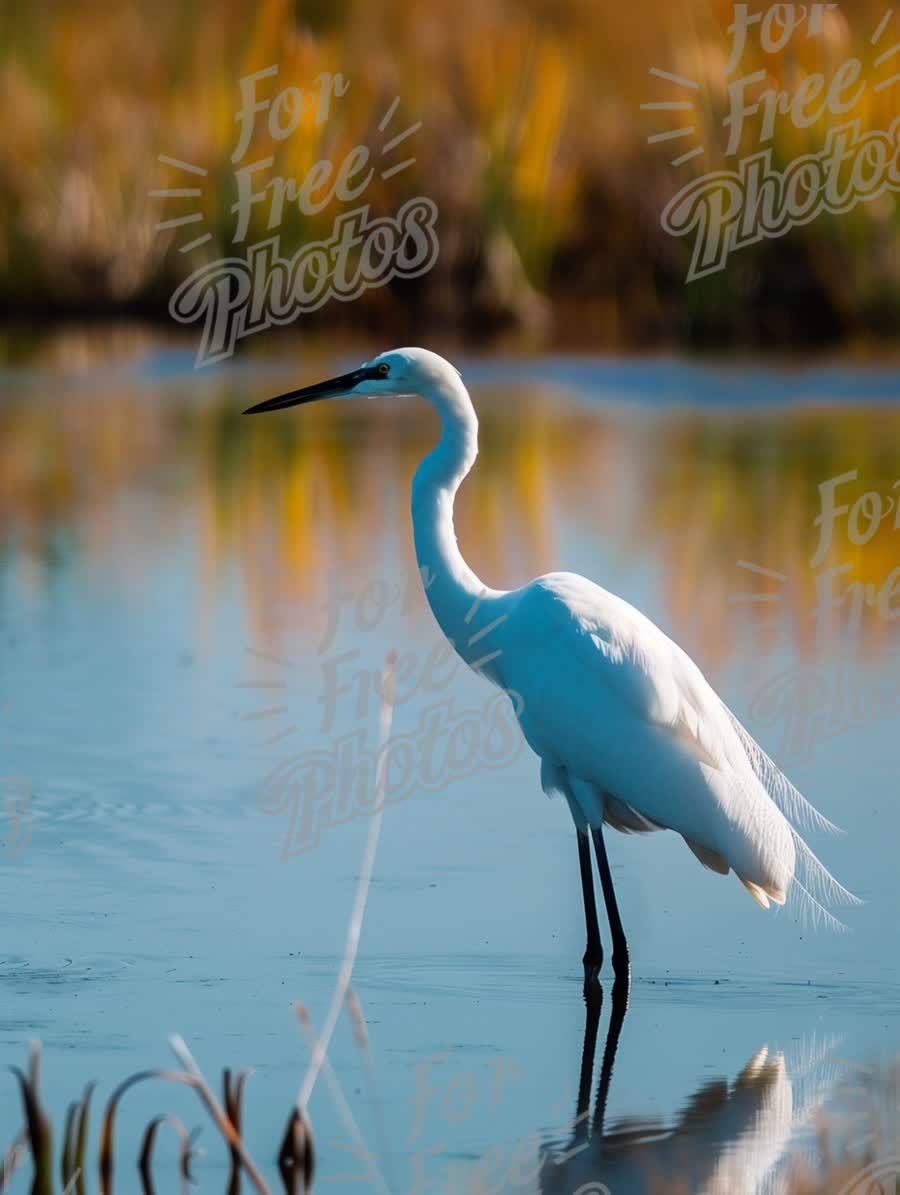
452	589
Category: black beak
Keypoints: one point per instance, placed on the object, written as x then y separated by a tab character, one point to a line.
330	389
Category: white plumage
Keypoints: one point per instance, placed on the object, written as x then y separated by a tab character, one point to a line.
627	728
629	732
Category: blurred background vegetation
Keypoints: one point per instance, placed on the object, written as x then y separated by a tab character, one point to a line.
533	145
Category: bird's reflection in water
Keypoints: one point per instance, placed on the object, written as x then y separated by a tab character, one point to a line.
729	1139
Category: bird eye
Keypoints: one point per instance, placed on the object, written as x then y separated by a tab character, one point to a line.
384	369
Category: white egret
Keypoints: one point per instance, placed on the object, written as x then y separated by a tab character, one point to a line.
627	728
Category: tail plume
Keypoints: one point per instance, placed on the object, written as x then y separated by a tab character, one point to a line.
815	886
799	812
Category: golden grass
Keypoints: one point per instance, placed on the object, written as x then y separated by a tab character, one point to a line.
532	139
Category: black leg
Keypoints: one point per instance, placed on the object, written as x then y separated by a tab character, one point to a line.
593	955
621	964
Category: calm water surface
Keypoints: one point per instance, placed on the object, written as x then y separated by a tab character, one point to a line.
193	613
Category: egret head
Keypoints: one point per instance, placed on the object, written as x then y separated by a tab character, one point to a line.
397	372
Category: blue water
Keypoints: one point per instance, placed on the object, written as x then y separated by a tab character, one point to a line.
146	594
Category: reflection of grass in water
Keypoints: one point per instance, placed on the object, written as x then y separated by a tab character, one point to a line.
289	496
729	487
743	459
292	496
